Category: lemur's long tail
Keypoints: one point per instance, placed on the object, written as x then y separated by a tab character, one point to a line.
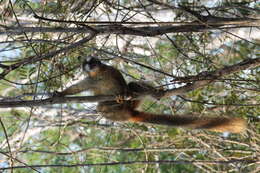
218	124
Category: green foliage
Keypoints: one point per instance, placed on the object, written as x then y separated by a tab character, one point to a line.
71	134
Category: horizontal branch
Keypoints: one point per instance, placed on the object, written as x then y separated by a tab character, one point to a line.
175	162
123	29
55	100
209	20
121	149
202	80
206	78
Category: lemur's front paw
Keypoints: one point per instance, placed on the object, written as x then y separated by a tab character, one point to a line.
120	99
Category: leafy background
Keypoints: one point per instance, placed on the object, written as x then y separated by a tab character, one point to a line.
75	138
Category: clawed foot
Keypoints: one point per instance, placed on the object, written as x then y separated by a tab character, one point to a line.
121	99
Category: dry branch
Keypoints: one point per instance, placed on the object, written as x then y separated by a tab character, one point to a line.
200	80
122	29
206	78
55	100
48	55
184	162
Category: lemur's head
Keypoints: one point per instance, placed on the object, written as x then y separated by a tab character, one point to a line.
91	65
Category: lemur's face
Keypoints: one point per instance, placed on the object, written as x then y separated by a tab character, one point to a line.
91	64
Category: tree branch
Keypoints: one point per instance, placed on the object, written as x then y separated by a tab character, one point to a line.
200	80
55	100
184	162
123	29
48	55
206	78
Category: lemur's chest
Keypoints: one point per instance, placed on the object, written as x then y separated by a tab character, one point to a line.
108	87
109	81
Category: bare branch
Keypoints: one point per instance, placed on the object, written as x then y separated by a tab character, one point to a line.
210	20
55	100
121	149
19	161
120	28
202	80
206	78
8	144
48	55
208	162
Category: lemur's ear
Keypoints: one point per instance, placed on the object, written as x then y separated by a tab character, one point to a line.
85	58
89	59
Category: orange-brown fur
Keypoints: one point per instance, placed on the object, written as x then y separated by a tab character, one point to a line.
106	80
